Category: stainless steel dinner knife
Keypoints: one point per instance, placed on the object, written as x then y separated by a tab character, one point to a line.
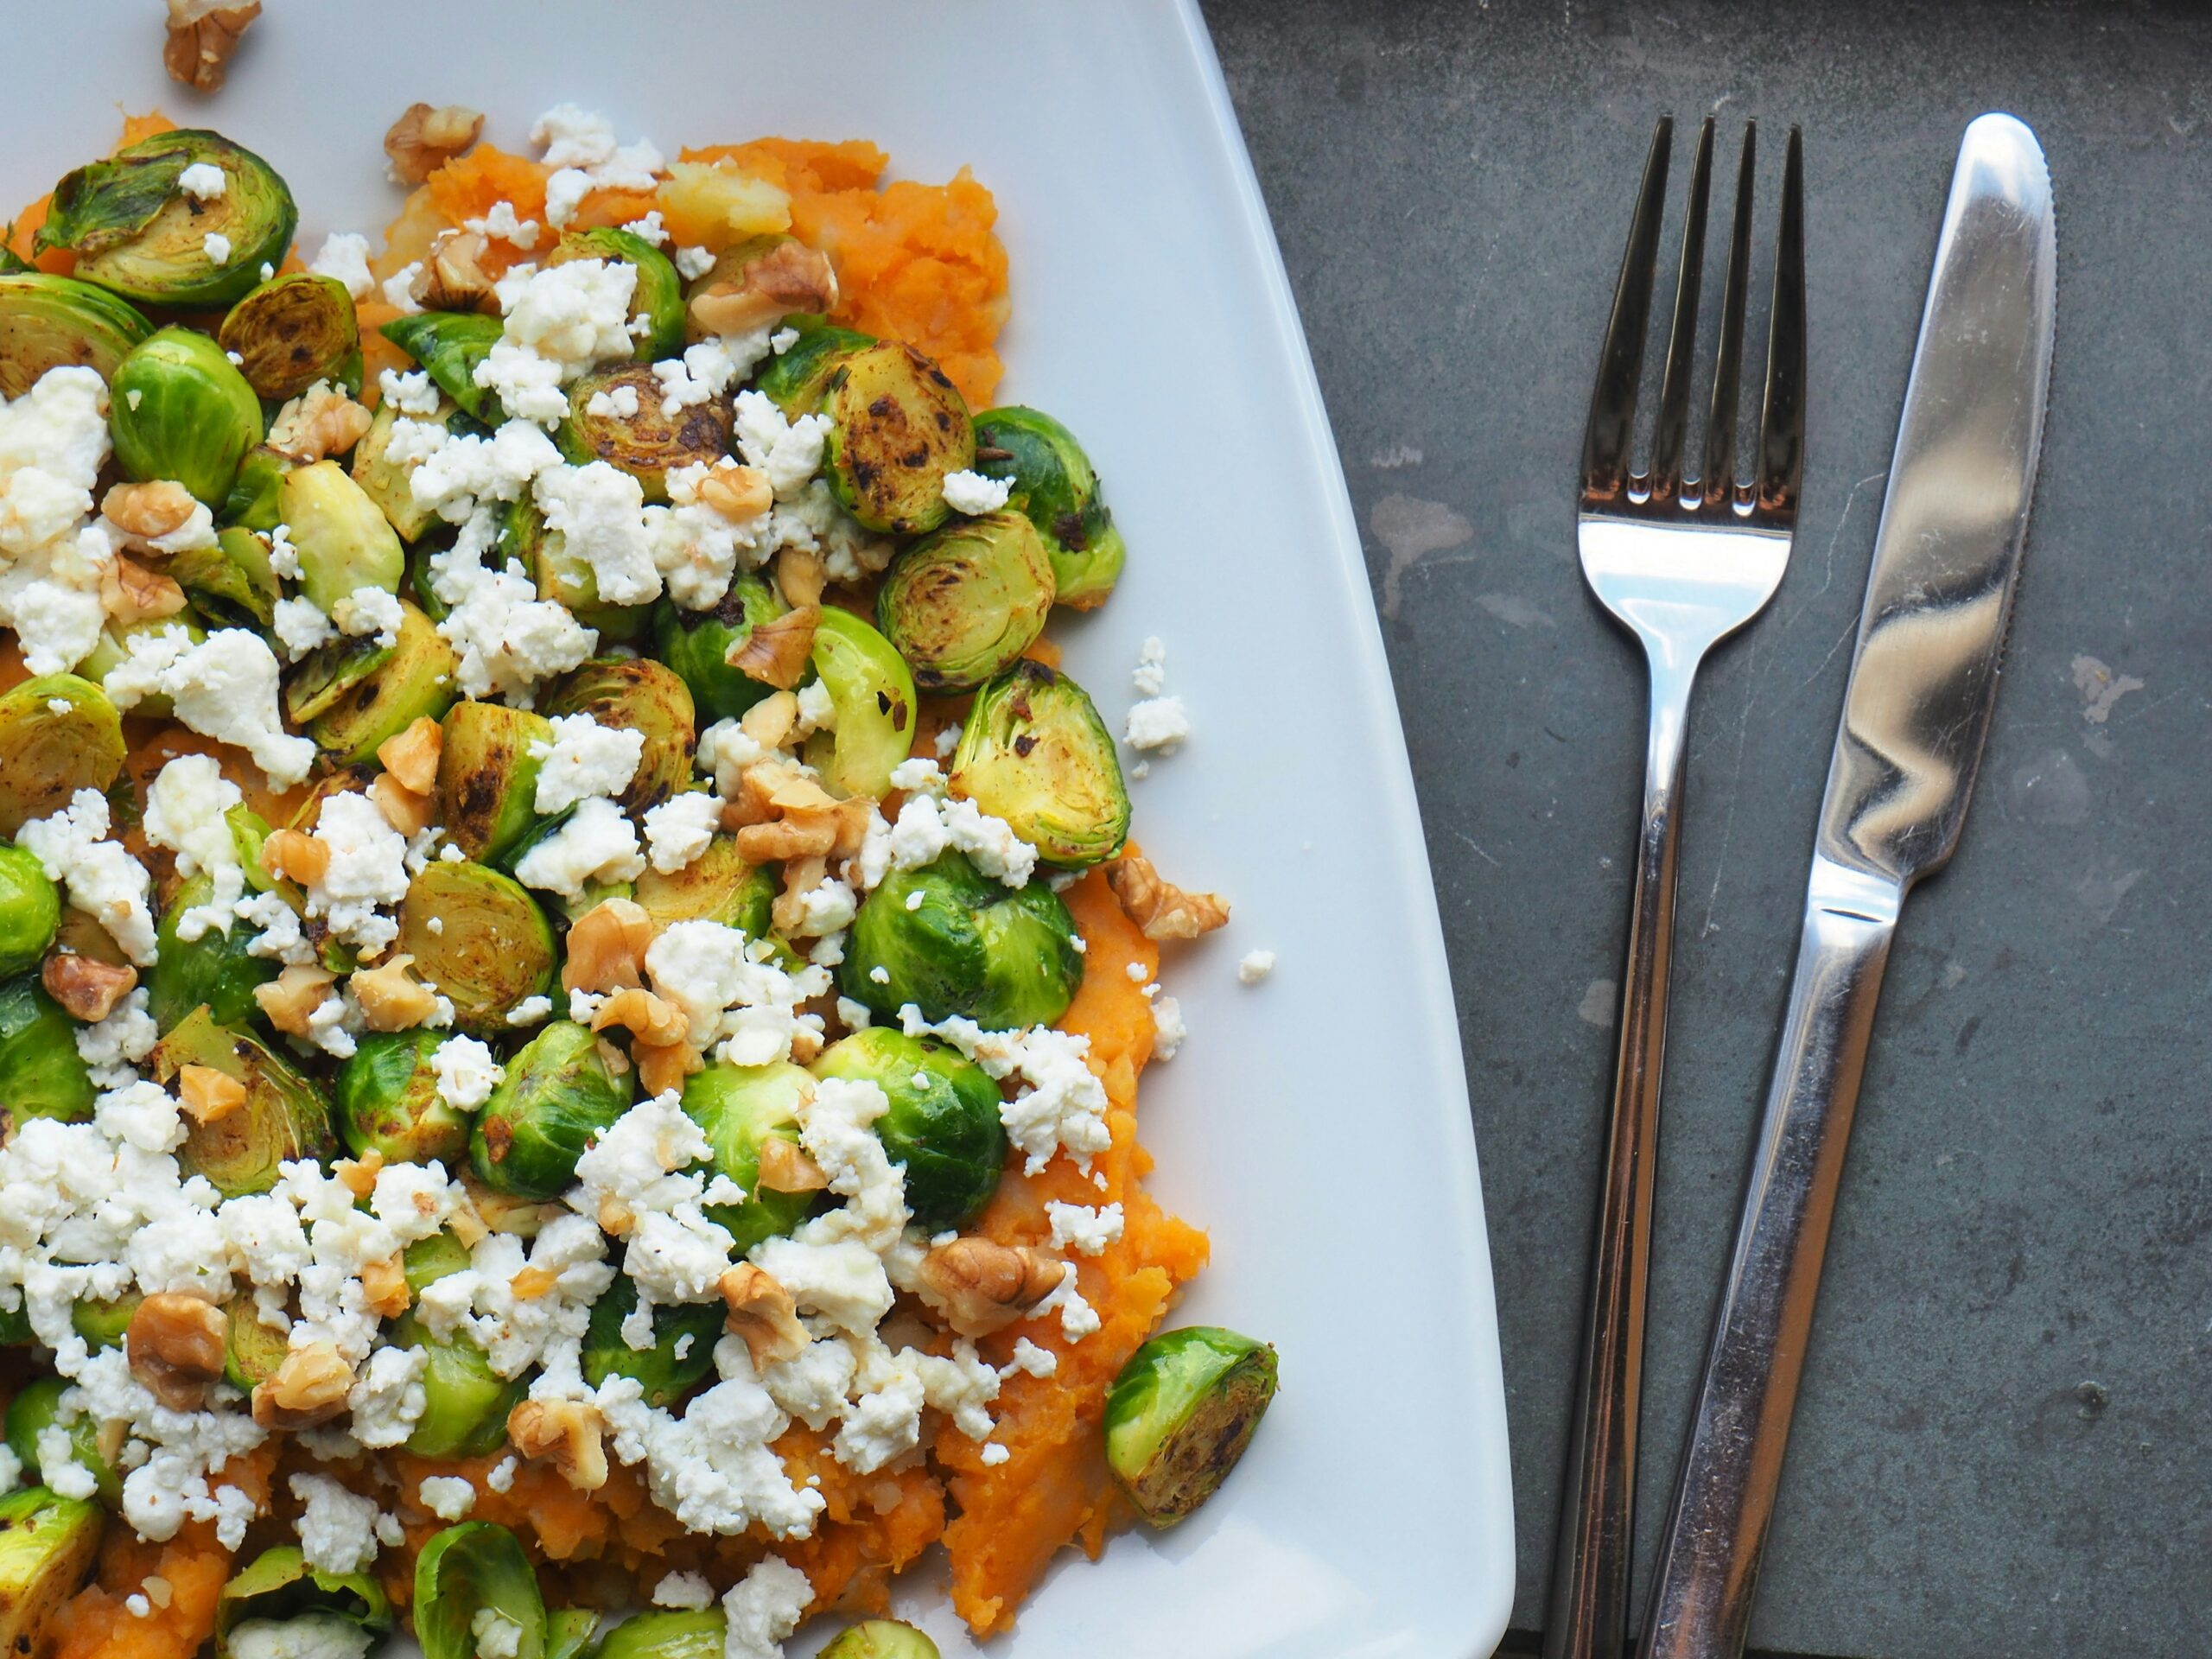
1923	682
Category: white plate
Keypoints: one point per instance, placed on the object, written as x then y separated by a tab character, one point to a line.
1317	1125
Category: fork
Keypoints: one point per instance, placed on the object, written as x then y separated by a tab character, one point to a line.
1680	563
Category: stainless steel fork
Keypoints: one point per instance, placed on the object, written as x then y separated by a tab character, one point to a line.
1681	563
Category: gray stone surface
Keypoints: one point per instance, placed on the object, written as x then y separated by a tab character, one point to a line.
1999	1448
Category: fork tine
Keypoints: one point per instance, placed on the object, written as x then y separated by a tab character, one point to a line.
1716	480
1612	402
1782	424
1672	429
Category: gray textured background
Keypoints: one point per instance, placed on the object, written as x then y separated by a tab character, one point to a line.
1999	1447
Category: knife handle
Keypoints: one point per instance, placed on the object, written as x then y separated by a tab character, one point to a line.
1701	1602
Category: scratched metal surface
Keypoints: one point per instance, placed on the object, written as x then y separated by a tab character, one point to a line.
1999	1447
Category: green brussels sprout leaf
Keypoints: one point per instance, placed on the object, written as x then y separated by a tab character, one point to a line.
37	1407
487	776
42	1075
388	1101
343	540
285	1116
59	733
214	970
293	331
964	604
416	679
718	886
52	322
466	1573
230	584
666	1374
30	910
793	380
740	1107
643	443
1034	751
492	949
668	1634
698	645
1054	484
881	1638
47	1543
278	1587
256	501
656	302
898	427
872	694
1181	1413
449	345
558	1096
465	1402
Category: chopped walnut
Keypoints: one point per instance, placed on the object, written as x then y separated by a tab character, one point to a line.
607	947
174	1345
784	1167
981	1287
800	576
790	277
294	995
663	1066
775	652
565	1433
207	1095
1161	909
801	877
309	1388
615	1217
769	721
384	1288
647	1019
779	812
295	856
533	1282
88	989
413	756
358	1175
405	809
453	277
391	998
321	421
762	1315
739	494
424	139
203	35
131	593
144	511
465	1223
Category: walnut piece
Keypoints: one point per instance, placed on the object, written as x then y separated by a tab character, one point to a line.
769	721
663	1066
762	1315
799	576
607	947
453	277
295	856
131	593
391	998
424	139
775	652
309	1388
358	1175
533	1282
801	877
784	1167
321	421
87	988
565	1433
739	494
790	277
403	808
175	1344
1162	910
981	1287
647	1019
208	1096
780	813
384	1287
143	511
412	757
294	995
203	35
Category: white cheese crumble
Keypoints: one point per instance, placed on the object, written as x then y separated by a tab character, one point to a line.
53	441
184	813
1061	1105
399	288
410	393
1255	966
202	182
970	491
370	610
584	759
680	828
649	229
765	1608
465	1071
688	1591
561	320
216	246
927	826
595	844
1085	1231
224	688
530	1010
344	257
366	876
789	452
337	1529
1159	724
692	263
447	1496
599	512
102	878
1149	678
501	224
300	625
581	149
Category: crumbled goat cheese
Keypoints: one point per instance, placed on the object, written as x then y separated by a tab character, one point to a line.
1157	723
305	1635
390	1396
692	263
112	1048
337	1529
344	257
501	1478
1168	1030
366	875
993	1455
202	182
707	369
500	224
970	491
1061	1103
561	320
599	510
782	340
224	688
53	442
507	639
216	246
687	1591
467	1073
581	149
752	1006
620	403
596	843
447	1497
674	1253
370	610
495	1636
765	1608
411	392
1030	1358
1255	966
1087	1232
585	759
102	878
926	827
399	288
1149	678
649	229
680	828
184	813
789	452
530	1010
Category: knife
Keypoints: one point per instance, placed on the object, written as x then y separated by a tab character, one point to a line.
1923	683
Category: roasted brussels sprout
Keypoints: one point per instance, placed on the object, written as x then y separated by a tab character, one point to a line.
230	584
414	679
465	1402
636	694
942	1125
1053	484
103	1323
872	696
573	1632
388	1101
740	1107
698	645
255	502
898	427
672	1365
643	441
37	1407
59	733
881	1638
31	909
53	322
1002	957
1034	752
47	1547
134	232
384	480
1181	1413
470	1577
565	575
492	948
656	302
214	970
668	1634
178	410
965	603
342	539
794	378
558	1095
279	1587
252	1352
328	671
293	331
41	1074
429	1259
449	345
285	1116
487	776
718	886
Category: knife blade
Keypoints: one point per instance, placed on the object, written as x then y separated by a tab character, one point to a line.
1916	714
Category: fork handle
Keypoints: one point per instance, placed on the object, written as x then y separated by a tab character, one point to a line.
1701	1603
1588	1614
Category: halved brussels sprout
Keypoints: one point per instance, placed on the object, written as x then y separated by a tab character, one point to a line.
656	302
177	408
1034	752
644	443
214	971
942	1125
881	1638
47	1543
718	886
449	345
573	1632
30	910
873	695
1003	956
638	694
1054	484
342	538
559	1093
328	671
388	1101
739	1107
293	331
491	948
793	380
965	603
386	482
466	1402
698	645
278	1587
665	1375
898	428
53	322
487	776
252	1352
254	501
135	231
230	584
37	1407
417	680
42	1075
562	575
285	1116
1180	1415
669	1633
470	1576
59	733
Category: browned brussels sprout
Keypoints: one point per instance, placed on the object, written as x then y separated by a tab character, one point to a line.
293	331
898	427
1034	752
177	408
1180	1415
635	694
1053	482
285	1116
615	416
964	604
52	322
487	776
491	946
57	735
